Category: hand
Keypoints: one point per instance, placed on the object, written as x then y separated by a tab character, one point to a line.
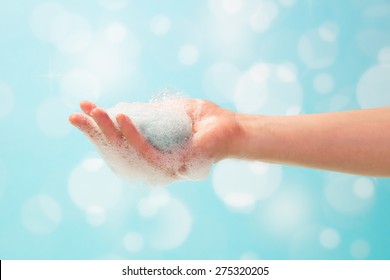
215	131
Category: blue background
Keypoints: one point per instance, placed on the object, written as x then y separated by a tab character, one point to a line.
58	200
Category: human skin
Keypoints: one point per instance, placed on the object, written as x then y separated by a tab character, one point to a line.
355	142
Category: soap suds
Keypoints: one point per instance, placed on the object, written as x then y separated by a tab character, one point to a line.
167	127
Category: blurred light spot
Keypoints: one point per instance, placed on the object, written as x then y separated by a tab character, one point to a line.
52	117
3	181
113	5
160	25
262	18
371	41
249	256
316	50
133	242
363	188
232	6
377	10
79	85
147	207
287	3
240	184
116	32
286	212
341	194
329	238
168	225
71	33
268	89
219	81
96	216
41	214
42	19
328	31
384	56
6	99
360	249
111	64
91	188
293	110
188	55
323	83
305	244
373	87
285	74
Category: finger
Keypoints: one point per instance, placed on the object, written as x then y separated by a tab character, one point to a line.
134	138
87	107
85	124
110	131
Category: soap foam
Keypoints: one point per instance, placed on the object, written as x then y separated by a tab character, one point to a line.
167	127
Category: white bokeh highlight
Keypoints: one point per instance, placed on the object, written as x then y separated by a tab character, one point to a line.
240	184
160	25
92	184
79	84
268	89
52	117
116	32
363	188
360	249
7	100
133	242
41	214
349	194
167	220
3	179
323	83
96	216
317	48
265	13
286	212
373	87
219	81
329	238
113	5
188	55
384	56
52	23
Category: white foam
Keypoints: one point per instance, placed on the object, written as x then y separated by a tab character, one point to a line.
167	127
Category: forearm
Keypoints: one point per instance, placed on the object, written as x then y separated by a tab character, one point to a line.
351	141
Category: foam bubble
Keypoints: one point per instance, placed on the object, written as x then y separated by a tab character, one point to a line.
167	127
41	214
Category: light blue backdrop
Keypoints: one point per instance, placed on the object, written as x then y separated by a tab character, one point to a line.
58	200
